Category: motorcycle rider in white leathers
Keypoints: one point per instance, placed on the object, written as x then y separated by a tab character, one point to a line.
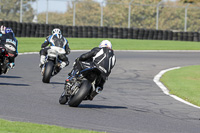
56	39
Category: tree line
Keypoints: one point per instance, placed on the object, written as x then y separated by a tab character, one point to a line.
143	13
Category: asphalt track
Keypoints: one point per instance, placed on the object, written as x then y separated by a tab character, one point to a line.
130	102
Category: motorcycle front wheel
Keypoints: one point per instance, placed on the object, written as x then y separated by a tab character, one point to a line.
49	66
81	94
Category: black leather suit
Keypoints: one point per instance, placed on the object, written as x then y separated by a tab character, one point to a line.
103	58
9	38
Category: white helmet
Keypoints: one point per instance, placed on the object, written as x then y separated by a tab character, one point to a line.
105	43
56	31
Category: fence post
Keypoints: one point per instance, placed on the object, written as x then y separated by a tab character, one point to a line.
157	14
186	8
21	3
129	13
47	12
101	13
74	14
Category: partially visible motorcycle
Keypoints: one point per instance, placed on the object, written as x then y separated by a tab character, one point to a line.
5	53
52	63
81	85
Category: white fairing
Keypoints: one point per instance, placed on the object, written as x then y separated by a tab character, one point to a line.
10	47
113	61
54	51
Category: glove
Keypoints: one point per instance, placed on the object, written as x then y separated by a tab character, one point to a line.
76	61
68	51
11	65
3	29
67	63
63	64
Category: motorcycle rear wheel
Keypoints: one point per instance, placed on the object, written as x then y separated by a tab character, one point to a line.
81	94
48	72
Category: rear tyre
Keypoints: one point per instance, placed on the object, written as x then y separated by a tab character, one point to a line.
81	94
48	71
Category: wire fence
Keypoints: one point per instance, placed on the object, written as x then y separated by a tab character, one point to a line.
164	15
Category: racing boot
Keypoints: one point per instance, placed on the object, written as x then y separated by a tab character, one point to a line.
57	68
94	93
42	60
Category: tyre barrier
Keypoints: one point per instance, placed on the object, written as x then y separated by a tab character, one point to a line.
140	33
110	32
43	30
135	33
100	32
95	32
125	33
150	35
146	33
130	33
115	32
175	35
185	36
155	35
170	35
196	37
120	33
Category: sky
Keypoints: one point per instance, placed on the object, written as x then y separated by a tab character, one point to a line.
59	6
53	5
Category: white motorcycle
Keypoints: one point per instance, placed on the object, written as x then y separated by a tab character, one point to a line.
52	63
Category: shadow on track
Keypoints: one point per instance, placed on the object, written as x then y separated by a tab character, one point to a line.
57	83
11	84
9	77
101	106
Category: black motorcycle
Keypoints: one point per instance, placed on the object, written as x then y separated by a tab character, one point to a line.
4	60
81	85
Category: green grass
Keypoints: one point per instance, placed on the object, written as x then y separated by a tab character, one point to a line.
34	44
22	127
184	83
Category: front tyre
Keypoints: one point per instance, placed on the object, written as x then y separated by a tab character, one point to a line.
48	72
81	94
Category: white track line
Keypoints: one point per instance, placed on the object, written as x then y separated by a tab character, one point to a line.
29	53
144	51
166	91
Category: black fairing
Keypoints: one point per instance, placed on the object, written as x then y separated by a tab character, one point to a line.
3	61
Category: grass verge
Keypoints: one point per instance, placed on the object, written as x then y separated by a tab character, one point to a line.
184	83
22	127
34	44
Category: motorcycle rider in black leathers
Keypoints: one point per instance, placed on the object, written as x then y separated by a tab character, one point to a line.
10	43
103	57
56	39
